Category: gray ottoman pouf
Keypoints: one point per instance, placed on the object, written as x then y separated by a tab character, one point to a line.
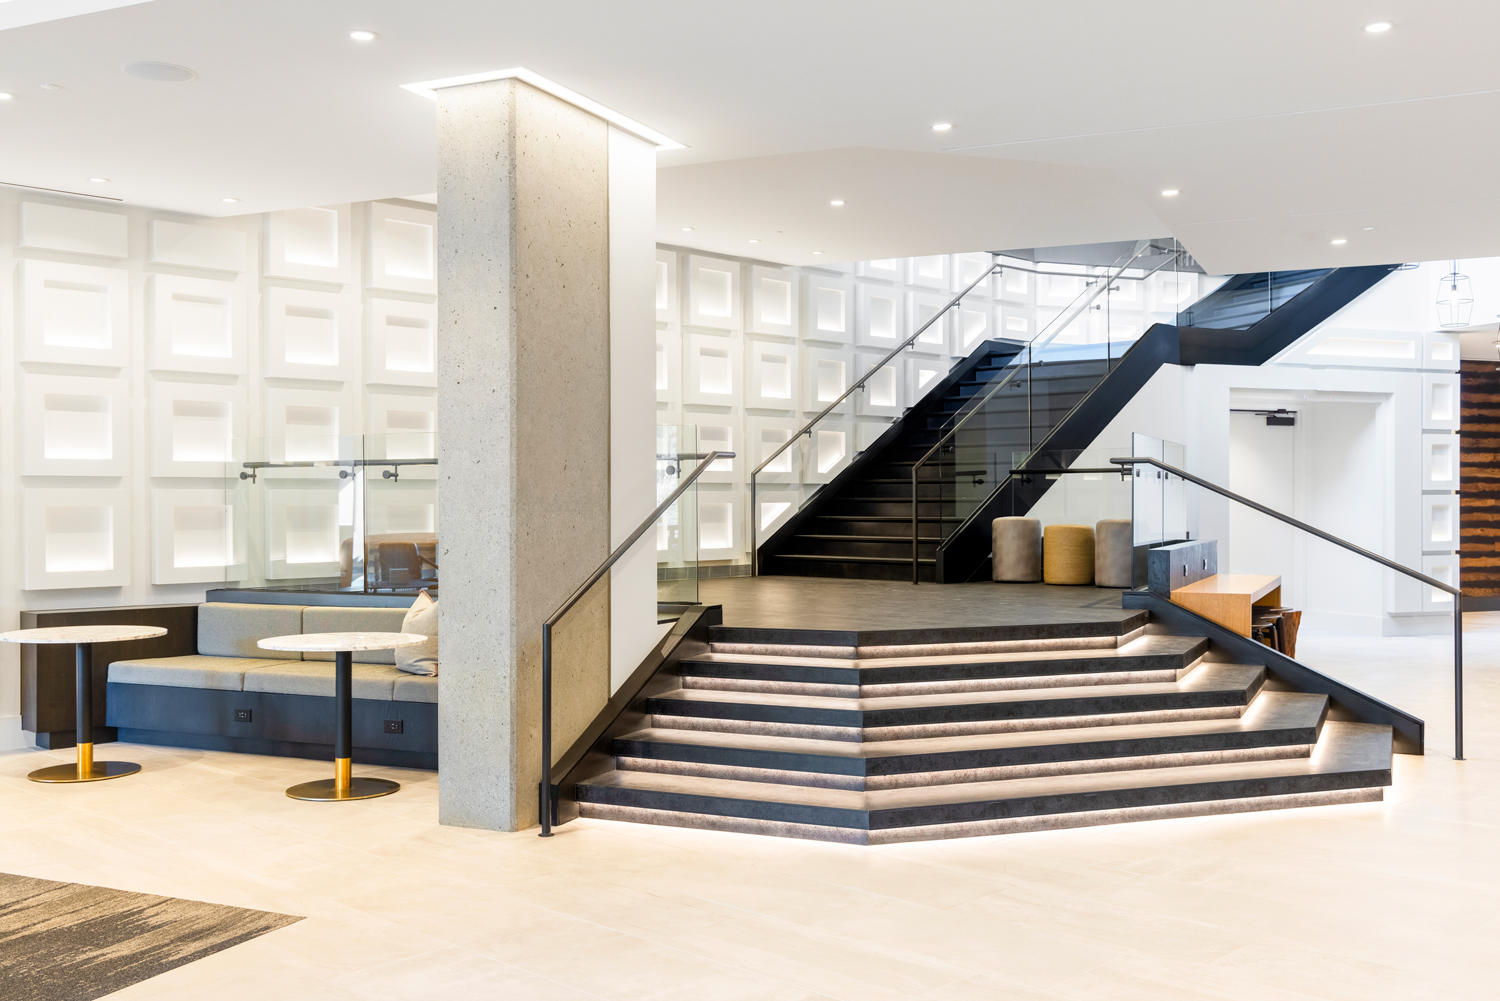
1018	549
1113	546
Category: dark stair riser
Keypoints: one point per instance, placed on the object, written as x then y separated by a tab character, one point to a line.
938	715
964	760
925	673
891	548
791	566
971	812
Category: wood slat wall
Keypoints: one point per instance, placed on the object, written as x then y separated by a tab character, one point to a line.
1479	480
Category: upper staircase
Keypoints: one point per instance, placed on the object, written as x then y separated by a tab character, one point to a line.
1010	402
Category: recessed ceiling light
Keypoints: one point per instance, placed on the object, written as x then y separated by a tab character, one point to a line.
5	96
160	72
50	86
98	180
687	229
837	203
1378	27
229	200
1170	192
942	126
754	240
363	35
817	253
1368	229
1338	241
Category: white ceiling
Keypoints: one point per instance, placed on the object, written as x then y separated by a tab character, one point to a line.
1283	123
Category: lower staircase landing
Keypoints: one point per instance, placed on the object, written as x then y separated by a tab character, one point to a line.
947	731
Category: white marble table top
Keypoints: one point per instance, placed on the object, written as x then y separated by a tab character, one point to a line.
82	634
340	642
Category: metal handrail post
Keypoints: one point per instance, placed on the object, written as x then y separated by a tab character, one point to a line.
545	800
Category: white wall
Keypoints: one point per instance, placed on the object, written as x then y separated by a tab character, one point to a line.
124	328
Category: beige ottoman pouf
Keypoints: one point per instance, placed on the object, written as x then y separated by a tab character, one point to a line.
1018	549
1068	554
1113	546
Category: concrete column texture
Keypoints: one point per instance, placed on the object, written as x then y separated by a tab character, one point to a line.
524	410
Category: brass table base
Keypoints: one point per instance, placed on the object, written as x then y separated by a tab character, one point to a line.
328	791
97	771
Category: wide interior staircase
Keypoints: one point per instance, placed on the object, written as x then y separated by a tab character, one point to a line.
861	525
1009	403
847	738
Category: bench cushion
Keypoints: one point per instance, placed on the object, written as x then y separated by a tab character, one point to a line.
225	674
306	677
317	619
415	688
229	629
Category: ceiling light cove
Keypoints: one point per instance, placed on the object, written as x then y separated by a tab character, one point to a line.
1378	27
429	89
229	200
837	203
754	240
1170	192
6	96
687	229
1339	241
817	253
98	180
942	126
363	35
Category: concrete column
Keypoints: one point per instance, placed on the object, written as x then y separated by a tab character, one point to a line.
524	411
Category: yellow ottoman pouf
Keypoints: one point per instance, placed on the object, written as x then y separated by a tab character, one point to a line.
1068	554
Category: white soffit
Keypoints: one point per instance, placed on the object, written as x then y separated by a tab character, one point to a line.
18	13
429	89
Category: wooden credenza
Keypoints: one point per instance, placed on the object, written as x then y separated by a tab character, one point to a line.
1230	599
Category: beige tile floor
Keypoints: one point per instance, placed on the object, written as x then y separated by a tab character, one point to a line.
1372	901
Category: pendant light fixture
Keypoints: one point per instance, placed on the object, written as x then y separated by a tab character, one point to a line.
1455	299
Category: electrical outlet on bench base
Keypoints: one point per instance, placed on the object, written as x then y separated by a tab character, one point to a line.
242	715
395	726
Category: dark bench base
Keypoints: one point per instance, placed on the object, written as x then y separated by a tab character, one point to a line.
286	725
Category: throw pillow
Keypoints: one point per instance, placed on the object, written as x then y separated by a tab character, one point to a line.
420	658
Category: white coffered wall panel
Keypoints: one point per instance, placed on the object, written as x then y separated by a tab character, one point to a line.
145	349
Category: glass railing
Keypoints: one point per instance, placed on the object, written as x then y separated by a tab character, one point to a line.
1098	314
617	600
1241	301
1314	589
791	466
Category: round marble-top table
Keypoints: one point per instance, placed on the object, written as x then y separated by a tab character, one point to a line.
343	786
83	638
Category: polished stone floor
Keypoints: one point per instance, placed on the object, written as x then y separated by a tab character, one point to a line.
821	603
1370	901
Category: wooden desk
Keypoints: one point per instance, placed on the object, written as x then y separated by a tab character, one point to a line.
1229	598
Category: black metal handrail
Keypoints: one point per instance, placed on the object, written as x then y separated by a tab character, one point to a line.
1061	322
806	430
1345	544
545	789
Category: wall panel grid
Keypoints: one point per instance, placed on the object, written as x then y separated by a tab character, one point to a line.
193	535
74	426
197	325
76	538
308	334
74	314
195	428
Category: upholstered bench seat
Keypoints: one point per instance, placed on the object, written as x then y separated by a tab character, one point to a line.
415	688
223	674
304	677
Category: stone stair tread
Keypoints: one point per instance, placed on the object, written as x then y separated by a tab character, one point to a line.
1207	677
1142	646
1343	748
1270	711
